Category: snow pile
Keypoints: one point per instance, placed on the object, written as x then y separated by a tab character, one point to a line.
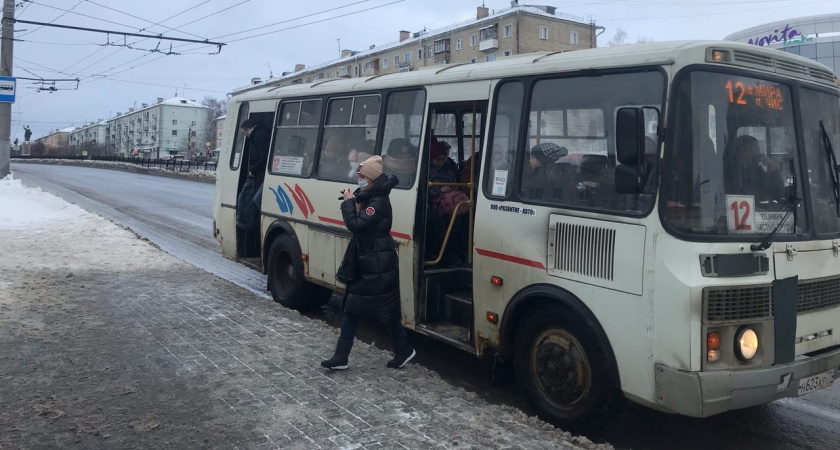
40	230
23	208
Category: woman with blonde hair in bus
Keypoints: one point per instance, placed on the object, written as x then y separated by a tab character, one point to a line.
373	288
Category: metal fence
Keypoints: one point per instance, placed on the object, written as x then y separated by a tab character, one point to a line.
176	165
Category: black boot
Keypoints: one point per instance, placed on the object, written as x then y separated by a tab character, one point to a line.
339	359
403	353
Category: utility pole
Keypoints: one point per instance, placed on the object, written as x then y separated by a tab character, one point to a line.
6	47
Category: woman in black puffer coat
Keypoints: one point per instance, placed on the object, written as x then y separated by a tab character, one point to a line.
375	289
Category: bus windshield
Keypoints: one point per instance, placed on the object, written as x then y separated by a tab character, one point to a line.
732	167
825	108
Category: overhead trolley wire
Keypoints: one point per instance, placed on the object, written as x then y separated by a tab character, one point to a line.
144	20
59	16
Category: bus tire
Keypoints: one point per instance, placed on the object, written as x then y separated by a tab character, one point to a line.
286	279
561	368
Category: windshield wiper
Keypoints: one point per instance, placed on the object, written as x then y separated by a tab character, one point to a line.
791	205
833	168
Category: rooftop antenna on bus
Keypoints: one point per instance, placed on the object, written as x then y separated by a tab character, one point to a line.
270	73
339	47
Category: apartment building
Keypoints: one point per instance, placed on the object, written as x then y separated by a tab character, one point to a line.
92	135
166	129
492	35
56	139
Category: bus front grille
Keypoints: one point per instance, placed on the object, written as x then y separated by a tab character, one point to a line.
818	294
738	303
731	304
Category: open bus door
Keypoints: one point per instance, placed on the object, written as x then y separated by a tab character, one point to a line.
232	173
445	307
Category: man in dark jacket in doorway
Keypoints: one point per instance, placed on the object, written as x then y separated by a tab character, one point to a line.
249	204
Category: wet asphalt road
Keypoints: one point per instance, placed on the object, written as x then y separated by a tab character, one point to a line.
177	215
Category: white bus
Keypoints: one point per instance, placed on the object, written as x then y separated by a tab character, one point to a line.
682	249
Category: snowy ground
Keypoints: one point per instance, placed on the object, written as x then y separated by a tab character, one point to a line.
108	342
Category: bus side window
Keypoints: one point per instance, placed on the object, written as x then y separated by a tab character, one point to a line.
576	113
296	136
239	139
401	136
349	136
507	117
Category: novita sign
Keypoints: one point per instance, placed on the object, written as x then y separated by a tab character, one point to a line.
787	36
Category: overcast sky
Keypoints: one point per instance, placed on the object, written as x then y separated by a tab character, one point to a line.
114	78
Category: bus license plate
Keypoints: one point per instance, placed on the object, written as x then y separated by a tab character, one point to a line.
816	382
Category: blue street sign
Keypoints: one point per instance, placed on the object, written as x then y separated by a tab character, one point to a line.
8	87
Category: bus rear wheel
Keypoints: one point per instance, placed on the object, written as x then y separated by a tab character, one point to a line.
286	278
561	368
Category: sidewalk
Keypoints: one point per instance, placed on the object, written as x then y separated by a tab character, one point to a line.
108	342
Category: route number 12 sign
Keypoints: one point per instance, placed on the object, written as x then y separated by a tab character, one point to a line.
740	214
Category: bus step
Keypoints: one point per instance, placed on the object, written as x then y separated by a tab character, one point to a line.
459	336
444	270
458	308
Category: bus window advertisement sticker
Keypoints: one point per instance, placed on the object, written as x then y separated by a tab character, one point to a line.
500	182
236	159
289	164
740	214
513	209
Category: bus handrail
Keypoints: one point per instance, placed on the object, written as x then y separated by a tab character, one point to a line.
448	232
470	202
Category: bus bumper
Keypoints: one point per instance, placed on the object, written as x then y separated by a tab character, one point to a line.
702	394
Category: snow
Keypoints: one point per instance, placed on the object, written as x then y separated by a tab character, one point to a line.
28	209
40	230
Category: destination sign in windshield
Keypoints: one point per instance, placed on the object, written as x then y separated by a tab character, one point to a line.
757	95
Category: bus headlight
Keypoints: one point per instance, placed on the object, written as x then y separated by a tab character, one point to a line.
746	343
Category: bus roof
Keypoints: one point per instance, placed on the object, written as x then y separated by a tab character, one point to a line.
649	54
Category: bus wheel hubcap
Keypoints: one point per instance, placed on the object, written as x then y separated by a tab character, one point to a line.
560	368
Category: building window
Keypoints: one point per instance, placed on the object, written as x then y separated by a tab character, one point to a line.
508	31
490	57
473	40
384	63
473	60
407	57
419	54
193	123
431	51
458	44
396	60
441	46
543	32
508	52
573	37
174	122
174	132
441	62
193	134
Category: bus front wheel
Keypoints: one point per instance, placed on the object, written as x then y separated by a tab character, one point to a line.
561	368
286	279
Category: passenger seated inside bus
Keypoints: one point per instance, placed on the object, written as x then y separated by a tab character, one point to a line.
334	162
400	160
541	177
748	171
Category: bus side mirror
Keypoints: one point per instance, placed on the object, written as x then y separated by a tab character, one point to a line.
629	136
